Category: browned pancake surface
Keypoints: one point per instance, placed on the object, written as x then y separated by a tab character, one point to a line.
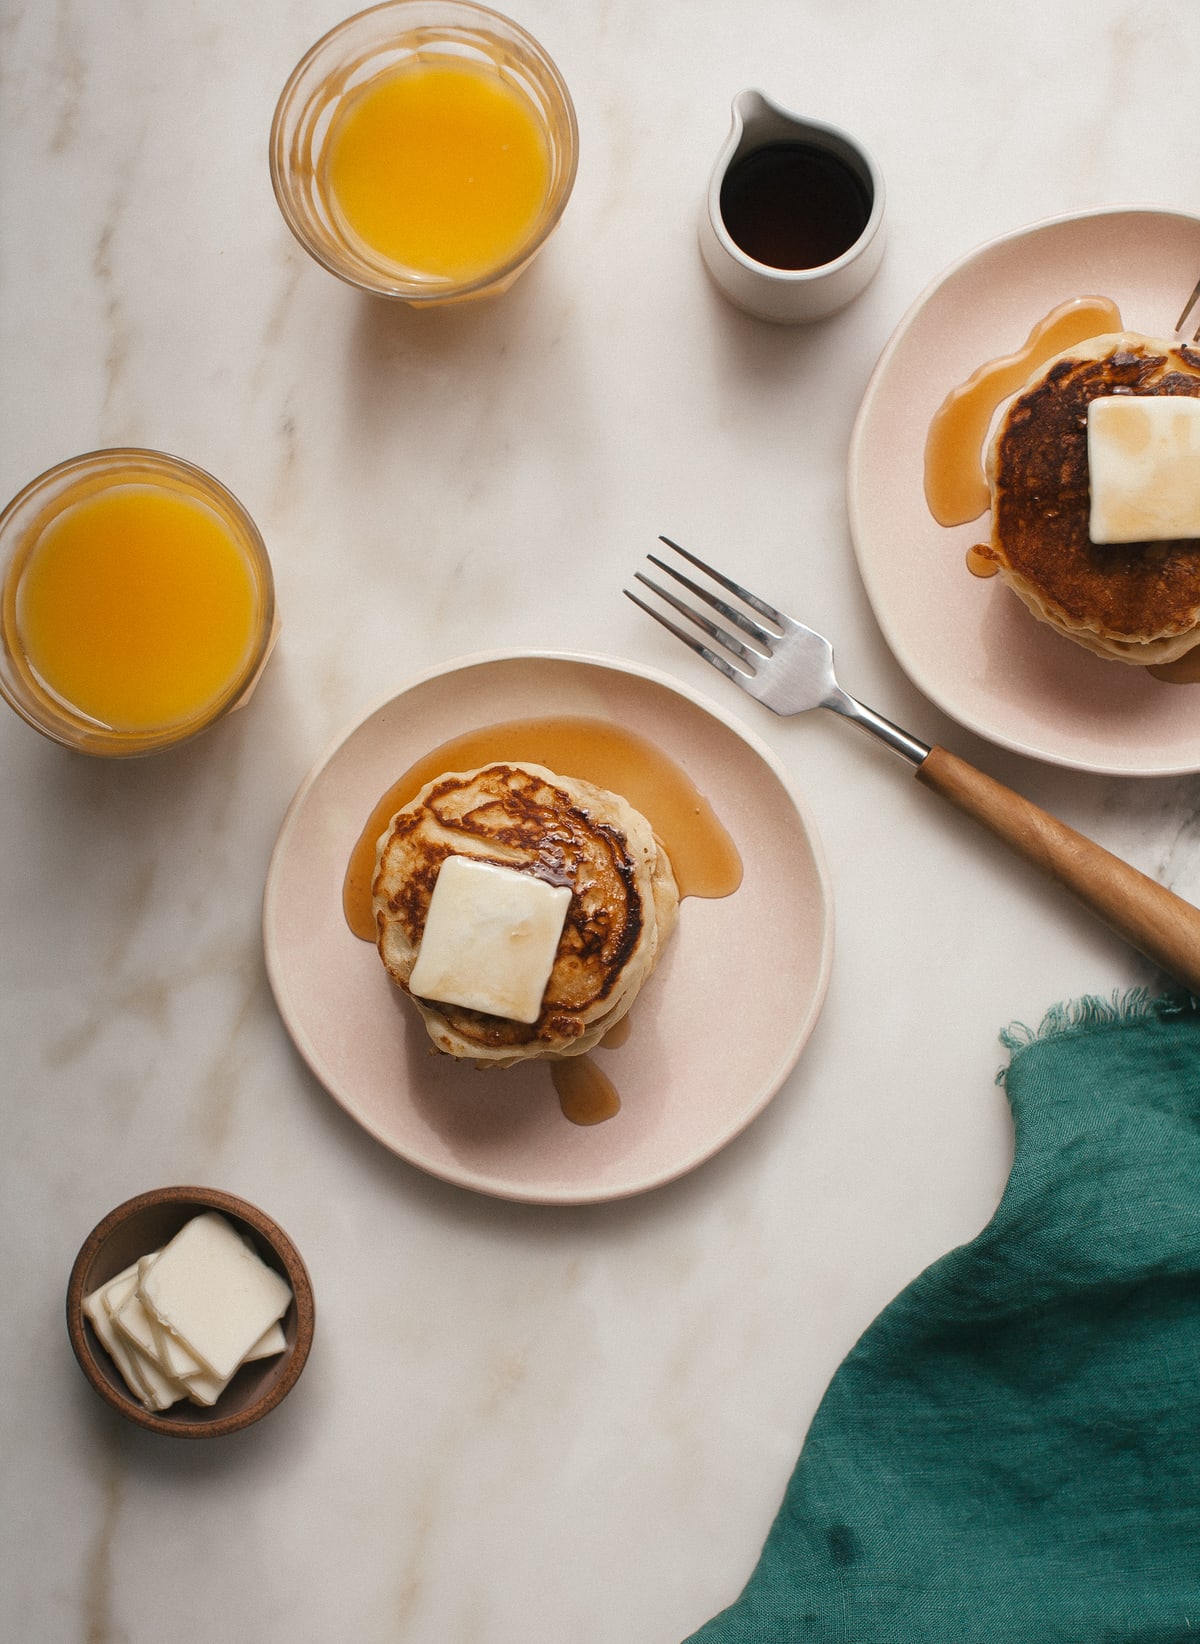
516	816
1040	499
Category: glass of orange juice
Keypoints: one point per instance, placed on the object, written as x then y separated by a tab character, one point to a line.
424	150
137	602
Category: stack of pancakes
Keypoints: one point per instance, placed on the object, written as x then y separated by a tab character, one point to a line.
624	900
1136	602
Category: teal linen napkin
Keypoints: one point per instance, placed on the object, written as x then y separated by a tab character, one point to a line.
1011	1453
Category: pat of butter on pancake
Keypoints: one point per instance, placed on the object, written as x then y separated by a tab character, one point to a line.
490	938
1144	468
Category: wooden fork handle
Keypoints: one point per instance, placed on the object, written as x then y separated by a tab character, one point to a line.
1153	919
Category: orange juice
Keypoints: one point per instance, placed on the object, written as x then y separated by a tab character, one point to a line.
137	602
136	607
441	167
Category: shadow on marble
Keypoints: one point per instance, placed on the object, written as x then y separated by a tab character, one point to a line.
629	1217
275	1446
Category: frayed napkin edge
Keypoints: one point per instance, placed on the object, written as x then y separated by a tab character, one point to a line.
1089	1013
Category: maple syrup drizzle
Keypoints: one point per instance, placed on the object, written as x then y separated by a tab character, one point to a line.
956	487
586	1095
701	852
617	1035
980	563
1185	670
704	857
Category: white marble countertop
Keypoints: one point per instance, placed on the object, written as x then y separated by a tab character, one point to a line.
517	1423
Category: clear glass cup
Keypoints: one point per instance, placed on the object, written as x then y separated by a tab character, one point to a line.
36	511
379	42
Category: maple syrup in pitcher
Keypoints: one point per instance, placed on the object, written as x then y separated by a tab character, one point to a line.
704	858
793	205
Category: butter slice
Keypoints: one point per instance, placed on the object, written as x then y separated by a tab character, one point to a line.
270	1343
170	1352
204	1388
213	1292
134	1323
490	938
1144	467
142	1373
97	1309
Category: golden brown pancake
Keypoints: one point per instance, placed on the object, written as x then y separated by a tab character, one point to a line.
1136	602
623	904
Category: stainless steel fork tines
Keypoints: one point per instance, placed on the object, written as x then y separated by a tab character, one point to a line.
789	669
1187	309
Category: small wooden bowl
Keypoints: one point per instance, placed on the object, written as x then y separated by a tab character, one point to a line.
146	1223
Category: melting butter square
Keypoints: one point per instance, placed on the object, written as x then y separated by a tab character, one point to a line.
1144	467
489	940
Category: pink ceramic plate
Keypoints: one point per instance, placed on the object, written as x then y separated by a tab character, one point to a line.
968	643
716	1031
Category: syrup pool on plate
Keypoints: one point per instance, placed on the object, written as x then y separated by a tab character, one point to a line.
440	167
704	858
137	603
956	487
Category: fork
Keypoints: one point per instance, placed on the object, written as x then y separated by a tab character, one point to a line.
1187	309
789	669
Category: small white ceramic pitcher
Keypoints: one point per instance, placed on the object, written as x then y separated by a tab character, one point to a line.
789	296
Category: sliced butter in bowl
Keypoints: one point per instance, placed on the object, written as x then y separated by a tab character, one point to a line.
180	1322
117	1318
172	1389
99	1313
